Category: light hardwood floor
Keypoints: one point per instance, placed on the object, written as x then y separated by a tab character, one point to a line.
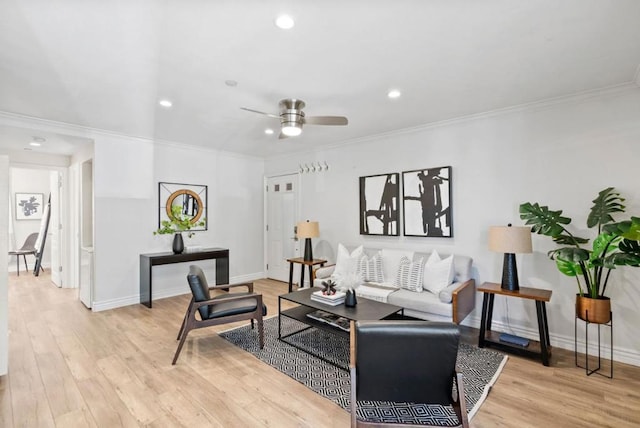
69	367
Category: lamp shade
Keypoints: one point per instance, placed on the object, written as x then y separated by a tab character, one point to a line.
510	239
308	229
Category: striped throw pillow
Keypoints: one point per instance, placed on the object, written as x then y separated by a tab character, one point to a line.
410	274
371	268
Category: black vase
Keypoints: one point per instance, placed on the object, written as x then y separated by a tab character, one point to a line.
350	300
178	243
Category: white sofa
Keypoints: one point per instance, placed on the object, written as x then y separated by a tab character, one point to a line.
453	303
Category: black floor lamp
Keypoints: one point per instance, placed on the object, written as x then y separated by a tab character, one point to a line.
510	240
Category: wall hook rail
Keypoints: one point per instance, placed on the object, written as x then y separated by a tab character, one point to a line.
315	166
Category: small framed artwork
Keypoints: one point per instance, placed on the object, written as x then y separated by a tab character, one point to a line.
192	198
379	204
426	202
29	206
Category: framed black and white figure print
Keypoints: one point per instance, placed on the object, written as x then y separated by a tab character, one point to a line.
192	198
426	202
379	204
29	206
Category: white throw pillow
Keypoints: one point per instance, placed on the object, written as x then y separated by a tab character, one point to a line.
347	263
410	274
371	268
391	262
438	273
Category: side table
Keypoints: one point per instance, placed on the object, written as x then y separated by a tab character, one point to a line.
491	338
303	262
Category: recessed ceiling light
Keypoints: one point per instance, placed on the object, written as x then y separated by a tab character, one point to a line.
268	131
165	103
285	22
231	83
35	144
394	93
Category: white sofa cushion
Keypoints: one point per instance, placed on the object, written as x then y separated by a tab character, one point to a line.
410	274
371	268
446	294
325	272
391	263
421	302
438	273
373	292
347	263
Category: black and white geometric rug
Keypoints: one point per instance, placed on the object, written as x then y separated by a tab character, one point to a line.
480	369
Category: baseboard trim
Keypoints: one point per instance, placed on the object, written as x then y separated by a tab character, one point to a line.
104	305
97	306
620	354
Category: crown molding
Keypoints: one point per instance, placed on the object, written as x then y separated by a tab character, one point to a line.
186	146
533	106
23	121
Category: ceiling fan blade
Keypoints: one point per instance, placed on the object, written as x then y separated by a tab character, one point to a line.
326	120
282	136
260	112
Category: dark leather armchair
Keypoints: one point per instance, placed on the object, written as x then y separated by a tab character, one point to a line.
220	309
405	361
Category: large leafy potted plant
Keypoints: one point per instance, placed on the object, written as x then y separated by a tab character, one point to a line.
178	222
617	244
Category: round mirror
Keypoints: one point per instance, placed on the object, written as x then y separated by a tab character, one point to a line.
189	201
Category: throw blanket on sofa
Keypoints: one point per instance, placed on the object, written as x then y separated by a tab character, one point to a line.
370	291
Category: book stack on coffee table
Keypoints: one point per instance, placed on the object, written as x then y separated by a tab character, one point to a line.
331	300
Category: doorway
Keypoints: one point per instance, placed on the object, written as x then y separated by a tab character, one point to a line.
40	183
282	212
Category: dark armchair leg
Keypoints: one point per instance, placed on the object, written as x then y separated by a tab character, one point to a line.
175	357
260	331
460	406
184	320
186	327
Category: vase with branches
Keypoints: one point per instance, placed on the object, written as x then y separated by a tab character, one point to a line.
177	223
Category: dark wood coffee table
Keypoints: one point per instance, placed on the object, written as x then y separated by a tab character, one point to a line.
366	309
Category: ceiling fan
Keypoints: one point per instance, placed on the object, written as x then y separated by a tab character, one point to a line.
292	118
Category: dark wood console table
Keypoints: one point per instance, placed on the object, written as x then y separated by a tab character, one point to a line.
147	261
488	338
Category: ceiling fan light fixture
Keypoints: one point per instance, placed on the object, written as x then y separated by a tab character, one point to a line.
291	130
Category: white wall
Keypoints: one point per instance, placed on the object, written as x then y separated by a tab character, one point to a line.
557	154
27	180
127	172
4	248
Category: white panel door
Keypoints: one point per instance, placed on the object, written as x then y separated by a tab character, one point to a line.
86	277
55	225
282	202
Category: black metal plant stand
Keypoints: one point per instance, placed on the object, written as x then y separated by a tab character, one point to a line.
596	370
